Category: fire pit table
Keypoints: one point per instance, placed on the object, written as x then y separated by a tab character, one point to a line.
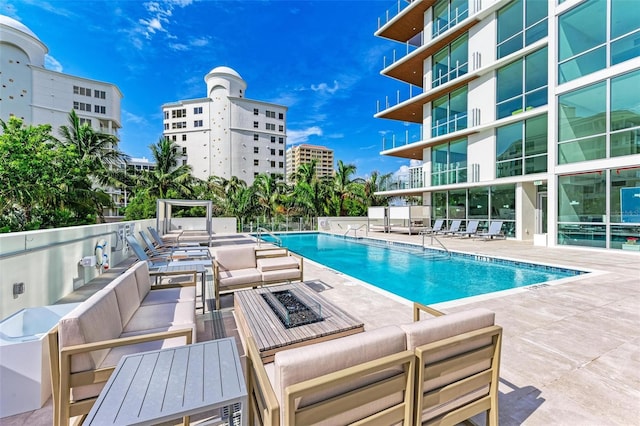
274	330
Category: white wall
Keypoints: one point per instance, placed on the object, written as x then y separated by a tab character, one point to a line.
47	261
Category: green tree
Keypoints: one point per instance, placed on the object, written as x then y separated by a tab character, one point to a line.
269	192
374	183
169	177
344	188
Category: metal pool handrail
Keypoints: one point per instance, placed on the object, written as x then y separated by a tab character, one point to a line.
355	230
433	237
259	238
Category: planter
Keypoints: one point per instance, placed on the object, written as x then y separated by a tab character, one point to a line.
24	358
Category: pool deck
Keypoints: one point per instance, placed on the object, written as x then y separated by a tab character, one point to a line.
571	349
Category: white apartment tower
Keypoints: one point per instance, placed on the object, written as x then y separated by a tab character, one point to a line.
38	95
226	134
304	154
528	113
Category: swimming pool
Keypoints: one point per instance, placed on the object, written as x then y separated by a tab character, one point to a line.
426	276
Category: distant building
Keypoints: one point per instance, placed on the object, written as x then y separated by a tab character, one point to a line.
304	154
528	112
40	96
226	134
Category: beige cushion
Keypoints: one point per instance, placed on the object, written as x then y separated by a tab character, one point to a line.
163	315
141	271
236	257
276	263
170	295
126	290
300	364
192	327
281	275
239	276
96	319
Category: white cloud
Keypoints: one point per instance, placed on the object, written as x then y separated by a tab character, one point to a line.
324	88
403	171
52	63
132	118
301	136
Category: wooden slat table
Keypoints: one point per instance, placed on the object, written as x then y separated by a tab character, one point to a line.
256	318
157	386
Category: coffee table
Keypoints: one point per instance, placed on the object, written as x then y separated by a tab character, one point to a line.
256	318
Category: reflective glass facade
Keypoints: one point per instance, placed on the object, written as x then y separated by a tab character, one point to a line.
520	24
449	113
449	163
522	85
521	148
448	13
450	62
595	35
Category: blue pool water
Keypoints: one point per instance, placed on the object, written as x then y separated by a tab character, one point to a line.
425	276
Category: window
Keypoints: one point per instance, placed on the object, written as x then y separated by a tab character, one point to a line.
81	106
86	121
280	165
449	163
256	137
256	162
522	85
173	138
255	111
166	126
447	14
280	128
179	125
273	151
280	152
256	150
178	113
184	148
625	115
281	140
273	164
255	124
197	110
270	126
449	113
184	139
520	24
281	116
99	94
450	62
270	114
521	148
273	139
586	44
197	123
582	198
166	115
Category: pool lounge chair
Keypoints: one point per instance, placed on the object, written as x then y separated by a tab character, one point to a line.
171	241
495	230
471	230
437	227
453	228
175	253
157	262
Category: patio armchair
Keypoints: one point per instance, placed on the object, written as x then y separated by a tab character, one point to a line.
457	365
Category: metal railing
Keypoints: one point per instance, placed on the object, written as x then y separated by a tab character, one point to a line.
354	229
259	231
433	237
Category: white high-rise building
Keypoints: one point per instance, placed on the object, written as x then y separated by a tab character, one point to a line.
528	113
38	95
226	134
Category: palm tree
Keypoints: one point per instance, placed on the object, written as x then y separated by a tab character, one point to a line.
168	178
268	191
344	187
374	183
96	150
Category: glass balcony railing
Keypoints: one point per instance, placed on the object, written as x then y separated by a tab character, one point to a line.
444	77
444	23
393	141
401	96
393	11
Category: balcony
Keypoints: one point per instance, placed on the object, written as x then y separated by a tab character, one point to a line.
403	20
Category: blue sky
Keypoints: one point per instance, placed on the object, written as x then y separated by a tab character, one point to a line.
318	58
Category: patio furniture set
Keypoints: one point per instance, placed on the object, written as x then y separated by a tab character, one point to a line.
326	370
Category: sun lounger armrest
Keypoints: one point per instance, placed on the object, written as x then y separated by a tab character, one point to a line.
419	307
262	398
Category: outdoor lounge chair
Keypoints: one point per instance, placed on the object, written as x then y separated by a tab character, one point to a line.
437	227
453	228
176	253
168	242
156	262
495	230
471	230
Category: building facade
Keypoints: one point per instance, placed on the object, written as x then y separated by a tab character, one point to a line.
529	114
38	95
304	154
225	134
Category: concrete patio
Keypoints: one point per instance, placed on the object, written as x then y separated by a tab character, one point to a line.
571	350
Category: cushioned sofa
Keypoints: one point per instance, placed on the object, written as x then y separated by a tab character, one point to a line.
442	370
248	266
129	315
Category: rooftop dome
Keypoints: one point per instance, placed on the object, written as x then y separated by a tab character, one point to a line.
225	70
10	22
